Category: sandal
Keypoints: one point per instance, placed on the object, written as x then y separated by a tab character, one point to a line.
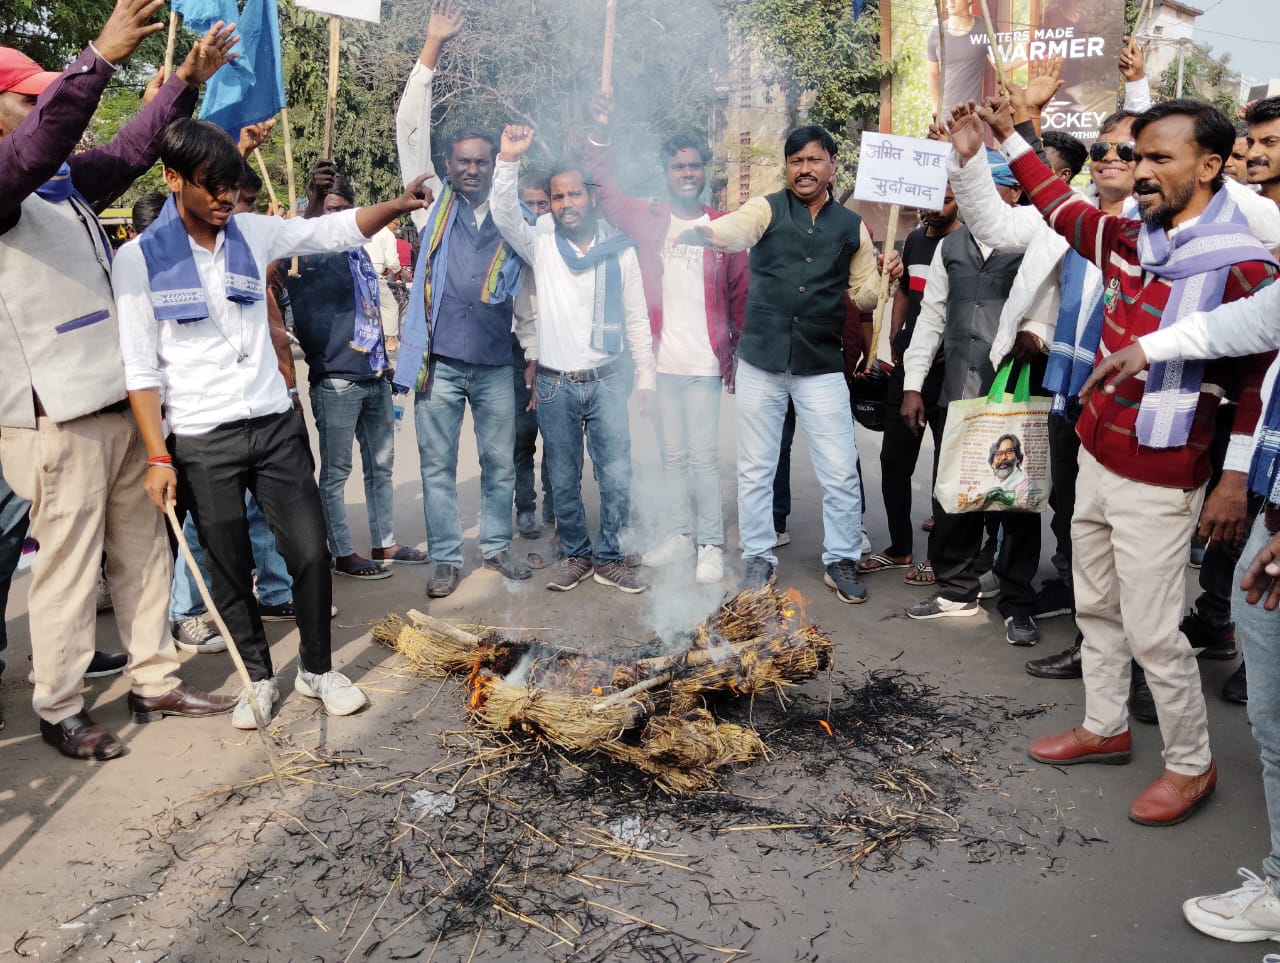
879	562
405	554
921	574
361	568
927	524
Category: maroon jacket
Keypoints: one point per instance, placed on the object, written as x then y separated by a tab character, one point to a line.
647	223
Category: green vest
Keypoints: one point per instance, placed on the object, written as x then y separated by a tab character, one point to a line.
799	273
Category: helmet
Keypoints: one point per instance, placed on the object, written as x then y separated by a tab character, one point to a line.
867	392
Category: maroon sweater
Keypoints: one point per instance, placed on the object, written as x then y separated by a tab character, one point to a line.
1133	307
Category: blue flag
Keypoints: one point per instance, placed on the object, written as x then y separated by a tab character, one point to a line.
857	8
200	15
250	89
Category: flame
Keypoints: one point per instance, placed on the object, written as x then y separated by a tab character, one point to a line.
827	726
792	609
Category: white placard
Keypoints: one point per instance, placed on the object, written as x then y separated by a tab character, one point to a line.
909	171
355	9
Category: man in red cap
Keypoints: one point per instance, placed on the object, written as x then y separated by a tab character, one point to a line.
68	441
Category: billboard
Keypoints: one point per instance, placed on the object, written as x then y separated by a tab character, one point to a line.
1087	34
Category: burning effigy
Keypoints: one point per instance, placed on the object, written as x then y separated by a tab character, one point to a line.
654	713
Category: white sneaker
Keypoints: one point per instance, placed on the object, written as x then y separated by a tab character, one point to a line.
867	548
198	635
710	565
1245	915
673	549
267	694
335	690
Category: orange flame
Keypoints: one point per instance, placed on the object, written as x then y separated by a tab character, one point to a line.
827	726
792	609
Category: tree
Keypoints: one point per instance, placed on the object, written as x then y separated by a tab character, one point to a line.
1203	77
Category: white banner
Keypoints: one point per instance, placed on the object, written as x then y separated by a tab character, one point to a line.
909	171
370	10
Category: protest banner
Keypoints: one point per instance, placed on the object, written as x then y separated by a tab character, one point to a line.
1087	34
370	10
902	170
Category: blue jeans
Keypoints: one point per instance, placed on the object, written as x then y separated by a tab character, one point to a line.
438	417
822	410
1259	633
13	531
689	413
275	587
566	411
346	412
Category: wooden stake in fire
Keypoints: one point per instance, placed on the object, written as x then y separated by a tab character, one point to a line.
231	642
606	62
890	239
996	58
331	102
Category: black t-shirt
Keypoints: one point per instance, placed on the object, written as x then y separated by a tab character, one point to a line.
917	255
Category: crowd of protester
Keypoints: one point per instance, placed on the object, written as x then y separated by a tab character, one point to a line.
546	301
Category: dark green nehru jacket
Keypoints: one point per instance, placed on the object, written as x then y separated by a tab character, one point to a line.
799	274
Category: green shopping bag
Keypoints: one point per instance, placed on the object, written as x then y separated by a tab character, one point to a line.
995	450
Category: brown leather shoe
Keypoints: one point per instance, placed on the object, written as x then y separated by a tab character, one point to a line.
182	700
79	737
1173	797
1071	747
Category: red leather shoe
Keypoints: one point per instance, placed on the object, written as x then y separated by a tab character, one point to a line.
1067	749
1173	797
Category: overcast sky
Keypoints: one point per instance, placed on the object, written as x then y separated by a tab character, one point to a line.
1230	25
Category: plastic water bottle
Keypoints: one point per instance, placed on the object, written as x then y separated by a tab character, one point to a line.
398	409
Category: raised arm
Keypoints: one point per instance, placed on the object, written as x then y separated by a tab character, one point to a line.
632	217
991	221
413	116
504	196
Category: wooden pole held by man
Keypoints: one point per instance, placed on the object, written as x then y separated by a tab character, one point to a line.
606	62
331	101
890	239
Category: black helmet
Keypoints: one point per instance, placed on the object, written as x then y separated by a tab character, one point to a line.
867	393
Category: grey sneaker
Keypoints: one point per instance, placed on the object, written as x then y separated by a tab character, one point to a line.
988	585
338	693
569	573
1021	630
936	607
266	694
759	573
843	577
527	525
198	635
1244	915
509	566
621	576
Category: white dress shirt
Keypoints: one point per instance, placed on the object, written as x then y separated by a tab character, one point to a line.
565	297
222	368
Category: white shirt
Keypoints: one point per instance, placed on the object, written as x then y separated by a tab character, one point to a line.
685	348
565	297
383	252
196	366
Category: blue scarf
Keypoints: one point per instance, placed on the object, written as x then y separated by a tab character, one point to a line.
500	285
177	293
367	337
1070	363
606	312
58	187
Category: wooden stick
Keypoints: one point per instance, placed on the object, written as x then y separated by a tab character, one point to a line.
1143	13
995	47
231	642
890	238
451	632
266	179
331	103
290	180
634	690
606	62
172	44
940	5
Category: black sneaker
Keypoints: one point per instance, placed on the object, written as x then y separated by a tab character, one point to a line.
285	612
843	577
621	576
1054	598
443	580
508	566
1142	704
1021	630
527	525
1236	688
1210	640
106	663
1061	665
569	573
759	573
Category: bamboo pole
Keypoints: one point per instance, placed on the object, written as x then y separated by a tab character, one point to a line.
890	239
995	47
610	29
266	179
171	45
635	690
231	642
444	629
940	5
331	102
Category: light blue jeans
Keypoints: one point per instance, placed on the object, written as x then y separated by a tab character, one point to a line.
438	418
822	410
274	585
347	412
689	416
1259	633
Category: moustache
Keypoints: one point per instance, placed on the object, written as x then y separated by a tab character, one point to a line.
1146	187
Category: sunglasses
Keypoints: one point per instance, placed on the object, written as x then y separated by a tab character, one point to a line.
1101	149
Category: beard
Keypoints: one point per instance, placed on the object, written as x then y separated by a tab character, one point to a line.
1003	471
1174	202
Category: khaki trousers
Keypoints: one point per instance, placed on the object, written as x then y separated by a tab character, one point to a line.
390	310
84	481
1129	555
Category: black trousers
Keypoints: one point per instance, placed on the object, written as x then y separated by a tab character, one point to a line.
899	453
526	498
1064	466
954	545
270	457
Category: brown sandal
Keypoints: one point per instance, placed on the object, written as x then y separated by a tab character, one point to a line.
920	574
879	562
